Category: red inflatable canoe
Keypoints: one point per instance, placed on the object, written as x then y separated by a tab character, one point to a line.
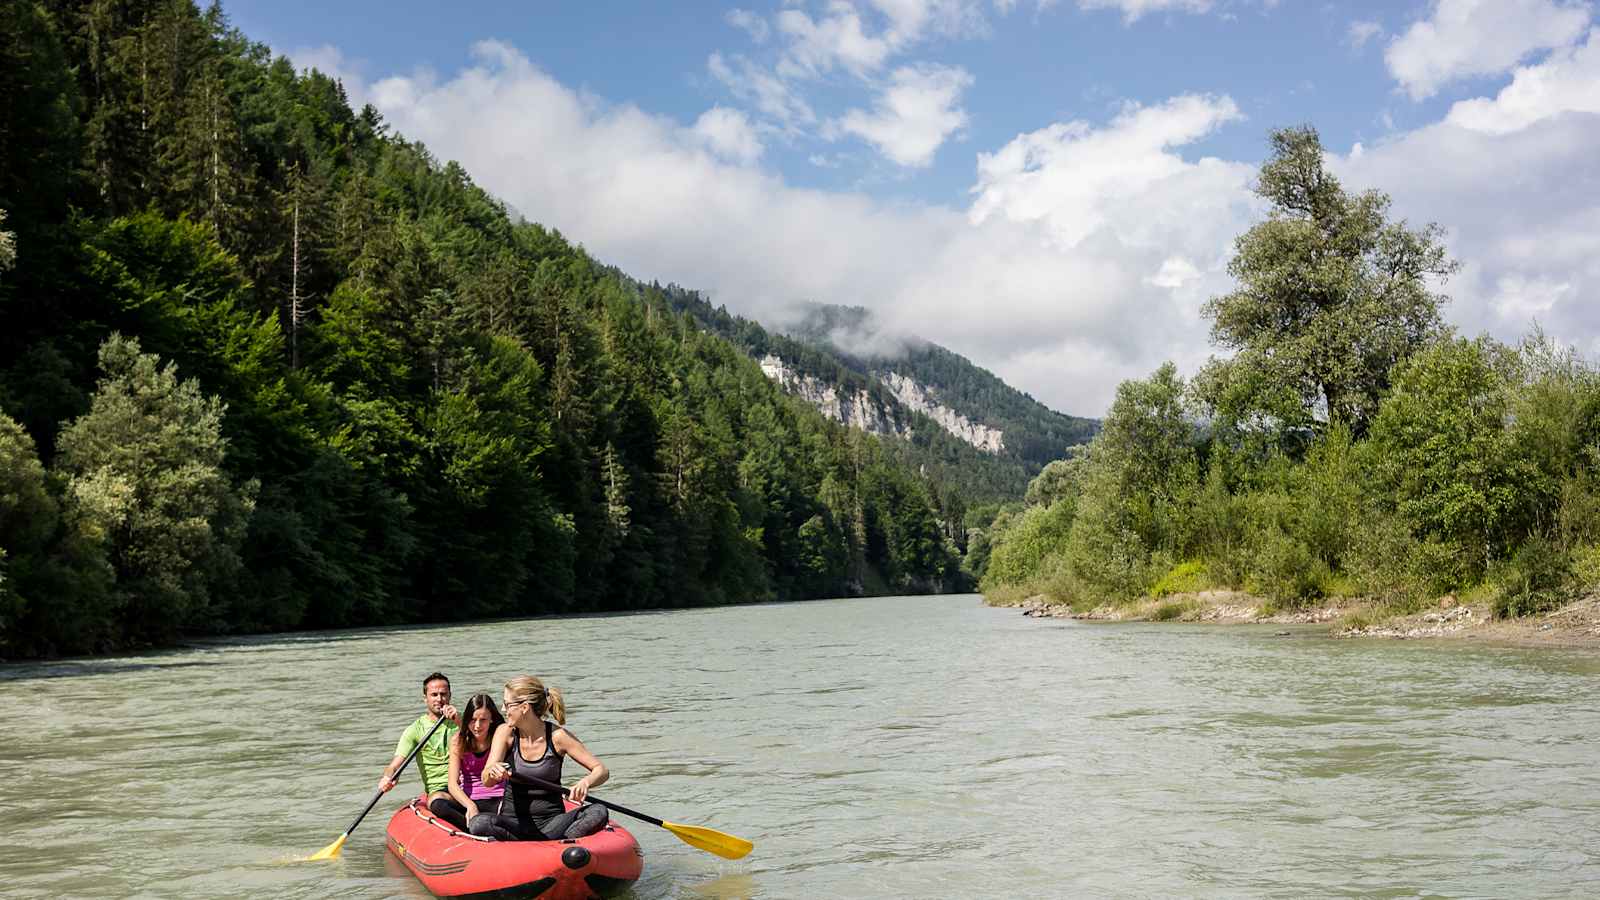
451	863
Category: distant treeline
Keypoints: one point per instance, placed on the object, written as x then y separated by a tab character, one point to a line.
1351	445
266	365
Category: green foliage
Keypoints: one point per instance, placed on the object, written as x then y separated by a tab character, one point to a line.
1105	554
8	245
815	347
1328	495
1020	549
40	134
1586	568
1122	502
1538	577
144	470
823	557
1184	578
1034	434
28	516
1058	481
432	412
1444	455
1285	570
1353	446
1331	296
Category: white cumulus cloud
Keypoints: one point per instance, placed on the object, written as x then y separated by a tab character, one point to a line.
1076	178
1066	322
913	115
1087	247
1517	216
1568	81
729	134
772	96
1463	38
837	38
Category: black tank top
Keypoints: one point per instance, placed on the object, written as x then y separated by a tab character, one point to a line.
535	803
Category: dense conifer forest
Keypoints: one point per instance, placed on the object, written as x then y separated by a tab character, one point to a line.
265	364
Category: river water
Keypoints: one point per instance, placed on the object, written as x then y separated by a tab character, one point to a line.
897	747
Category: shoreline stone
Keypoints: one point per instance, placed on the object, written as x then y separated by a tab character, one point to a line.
1577	624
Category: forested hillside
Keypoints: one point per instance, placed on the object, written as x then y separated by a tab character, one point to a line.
265	364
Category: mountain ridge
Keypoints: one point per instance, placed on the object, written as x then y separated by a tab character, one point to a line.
952	418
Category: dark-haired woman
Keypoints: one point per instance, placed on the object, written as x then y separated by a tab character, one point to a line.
468	754
533	746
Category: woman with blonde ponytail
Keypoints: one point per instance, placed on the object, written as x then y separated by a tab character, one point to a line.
530	743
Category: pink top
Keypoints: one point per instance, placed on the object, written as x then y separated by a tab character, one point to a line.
471	777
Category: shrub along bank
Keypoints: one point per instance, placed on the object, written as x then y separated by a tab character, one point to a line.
1351	444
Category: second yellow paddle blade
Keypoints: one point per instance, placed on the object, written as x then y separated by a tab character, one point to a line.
710	840
331	851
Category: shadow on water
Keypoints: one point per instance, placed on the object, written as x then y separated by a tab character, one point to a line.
76	668
728	887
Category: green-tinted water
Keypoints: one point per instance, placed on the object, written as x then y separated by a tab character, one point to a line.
902	747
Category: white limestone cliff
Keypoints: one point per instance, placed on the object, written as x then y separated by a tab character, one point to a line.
859	410
919	398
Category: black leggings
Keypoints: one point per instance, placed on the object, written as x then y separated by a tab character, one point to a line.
575	823
449	810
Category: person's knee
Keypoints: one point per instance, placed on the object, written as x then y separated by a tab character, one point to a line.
591	819
482	825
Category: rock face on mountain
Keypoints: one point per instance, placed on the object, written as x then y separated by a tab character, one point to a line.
854	408
942	414
859	409
926	402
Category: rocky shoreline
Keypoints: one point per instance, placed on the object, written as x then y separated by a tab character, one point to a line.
1576	624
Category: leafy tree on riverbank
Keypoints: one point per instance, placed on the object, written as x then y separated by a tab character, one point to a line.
1352	445
144	473
1331	296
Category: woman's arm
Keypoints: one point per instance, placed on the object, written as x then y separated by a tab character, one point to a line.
567	743
495	769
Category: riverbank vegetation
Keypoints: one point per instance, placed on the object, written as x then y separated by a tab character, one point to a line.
1351	445
266	365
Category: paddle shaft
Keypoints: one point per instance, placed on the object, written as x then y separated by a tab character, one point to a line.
540	782
699	837
396	776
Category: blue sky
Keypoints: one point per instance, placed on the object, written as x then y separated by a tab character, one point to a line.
1048	188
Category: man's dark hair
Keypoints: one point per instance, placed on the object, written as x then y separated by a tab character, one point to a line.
437	676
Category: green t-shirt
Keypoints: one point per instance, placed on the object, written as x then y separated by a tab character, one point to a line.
433	760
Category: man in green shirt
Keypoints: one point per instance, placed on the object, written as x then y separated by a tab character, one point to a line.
433	760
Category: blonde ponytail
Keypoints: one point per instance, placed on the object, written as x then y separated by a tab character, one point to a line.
546	701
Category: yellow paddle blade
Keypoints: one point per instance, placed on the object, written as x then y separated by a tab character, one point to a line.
331	851
710	840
